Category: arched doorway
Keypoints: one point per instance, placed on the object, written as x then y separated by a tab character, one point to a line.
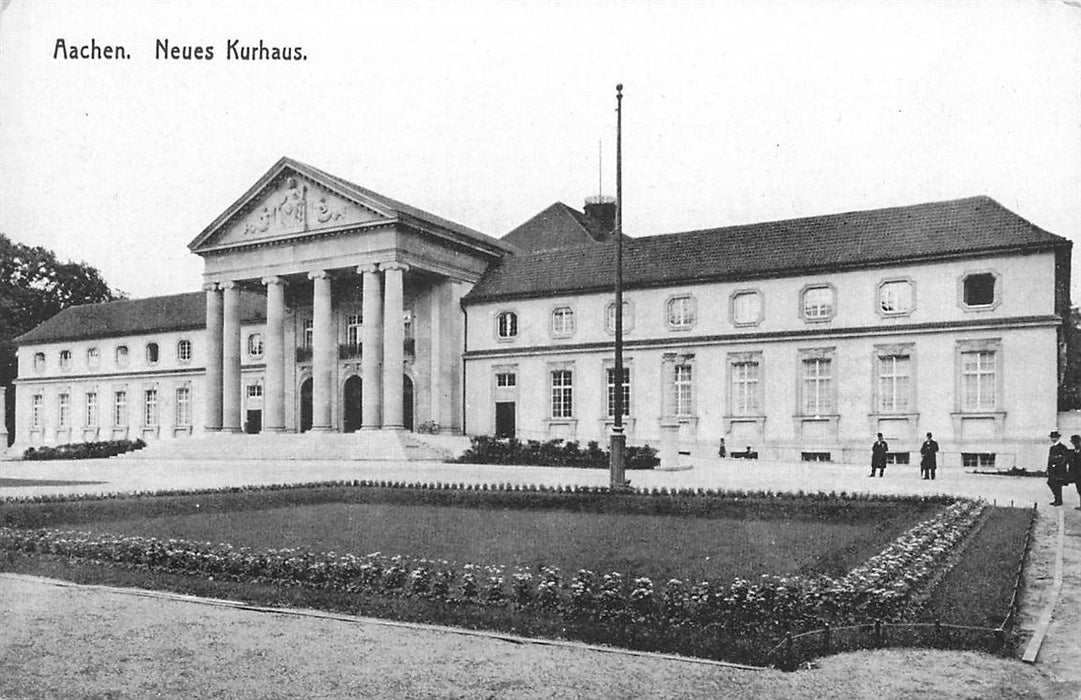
351	409
306	405
407	402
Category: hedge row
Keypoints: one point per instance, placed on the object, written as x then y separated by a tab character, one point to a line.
83	450
484	449
766	609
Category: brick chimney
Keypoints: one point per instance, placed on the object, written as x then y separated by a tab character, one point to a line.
602	210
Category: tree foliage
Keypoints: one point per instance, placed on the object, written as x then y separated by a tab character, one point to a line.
34	286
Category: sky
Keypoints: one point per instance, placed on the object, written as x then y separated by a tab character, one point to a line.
487	112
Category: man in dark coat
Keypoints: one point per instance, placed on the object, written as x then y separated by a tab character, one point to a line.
1058	459
1074	473
878	456
928	458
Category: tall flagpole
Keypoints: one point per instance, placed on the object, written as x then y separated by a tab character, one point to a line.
619	439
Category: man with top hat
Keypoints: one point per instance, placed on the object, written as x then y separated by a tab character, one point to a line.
1058	460
928	457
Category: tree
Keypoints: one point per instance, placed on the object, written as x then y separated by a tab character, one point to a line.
34	286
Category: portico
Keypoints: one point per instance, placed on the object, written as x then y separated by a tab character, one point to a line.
358	287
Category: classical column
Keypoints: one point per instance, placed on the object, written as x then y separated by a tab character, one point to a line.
393	341
324	352
274	352
371	358
230	374
212	421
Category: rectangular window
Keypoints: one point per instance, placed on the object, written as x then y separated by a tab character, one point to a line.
978	380
610	317
36	404
815	457
562	393
817	397
563	321
611	373
352	330
120	408
746	308
64	412
818	303
506	379
255	391
91	409
895	297
894	383
682	390
309	329
183	406
681	312
150	405
745	378
978	459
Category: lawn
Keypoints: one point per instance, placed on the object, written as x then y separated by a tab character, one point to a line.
690	540
692	537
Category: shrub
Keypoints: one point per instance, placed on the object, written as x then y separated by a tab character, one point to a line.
484	449
83	450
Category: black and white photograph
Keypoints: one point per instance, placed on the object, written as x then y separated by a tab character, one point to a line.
529	349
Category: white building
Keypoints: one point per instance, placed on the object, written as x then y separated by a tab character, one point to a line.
331	308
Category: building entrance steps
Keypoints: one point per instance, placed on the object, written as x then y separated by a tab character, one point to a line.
373	445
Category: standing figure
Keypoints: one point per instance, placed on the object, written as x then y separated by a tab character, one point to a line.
722	452
878	456
1058	458
1074	473
928	458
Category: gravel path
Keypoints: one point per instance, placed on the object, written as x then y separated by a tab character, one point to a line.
70	641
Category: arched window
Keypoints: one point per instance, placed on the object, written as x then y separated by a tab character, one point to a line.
255	345
152	353
183	350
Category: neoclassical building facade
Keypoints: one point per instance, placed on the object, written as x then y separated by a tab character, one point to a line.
328	308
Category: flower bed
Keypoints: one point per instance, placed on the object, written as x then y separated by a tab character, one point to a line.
83	450
763	610
484	449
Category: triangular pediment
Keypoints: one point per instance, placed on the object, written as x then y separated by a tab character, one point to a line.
284	203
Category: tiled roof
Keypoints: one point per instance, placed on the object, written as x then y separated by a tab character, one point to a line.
136	316
401	208
962	227
558	226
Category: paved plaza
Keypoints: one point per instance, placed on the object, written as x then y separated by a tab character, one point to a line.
125	644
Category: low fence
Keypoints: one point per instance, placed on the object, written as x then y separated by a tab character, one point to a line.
800	648
797	649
